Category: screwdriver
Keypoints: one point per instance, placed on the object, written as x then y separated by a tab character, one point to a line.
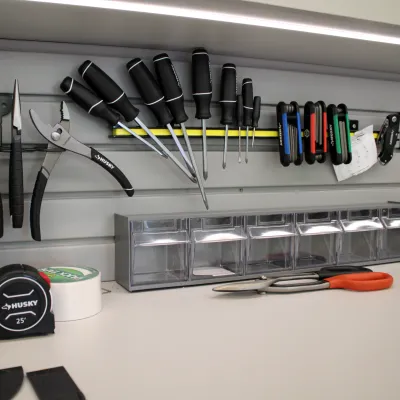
228	102
256	115
93	105
247	93
202	93
154	99
239	117
172	90
116	98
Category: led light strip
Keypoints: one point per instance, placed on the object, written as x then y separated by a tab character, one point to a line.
226	17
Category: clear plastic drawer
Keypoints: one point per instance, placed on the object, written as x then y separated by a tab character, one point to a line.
159	251
390	243
270	243
318	239
217	247
360	237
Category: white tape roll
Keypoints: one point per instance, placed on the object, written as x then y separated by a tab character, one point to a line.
76	292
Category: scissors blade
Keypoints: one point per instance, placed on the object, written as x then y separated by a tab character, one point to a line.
251	286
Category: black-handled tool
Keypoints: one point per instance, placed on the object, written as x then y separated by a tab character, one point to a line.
172	90
256	116
58	137
228	102
202	93
116	98
16	176
153	97
239	118
388	136
247	94
95	106
5	109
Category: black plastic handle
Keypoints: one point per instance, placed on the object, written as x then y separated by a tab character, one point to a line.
16	184
247	93
239	110
201	83
36	204
1	218
228	93
86	99
171	87
329	272
149	90
108	90
256	111
109	166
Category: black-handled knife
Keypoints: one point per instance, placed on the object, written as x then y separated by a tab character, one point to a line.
16	176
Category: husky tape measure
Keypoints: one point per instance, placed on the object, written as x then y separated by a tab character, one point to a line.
25	302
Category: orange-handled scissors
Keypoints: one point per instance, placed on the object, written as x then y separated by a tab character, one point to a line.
351	278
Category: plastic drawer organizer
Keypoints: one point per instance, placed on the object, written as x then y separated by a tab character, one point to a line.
181	250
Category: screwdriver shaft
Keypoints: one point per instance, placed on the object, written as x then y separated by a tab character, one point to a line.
252	140
247	145
225	147
240	146
142	140
166	151
205	161
193	161
181	150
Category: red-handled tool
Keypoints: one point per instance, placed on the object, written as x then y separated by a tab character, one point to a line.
359	279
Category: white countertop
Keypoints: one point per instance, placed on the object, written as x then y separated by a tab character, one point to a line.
195	344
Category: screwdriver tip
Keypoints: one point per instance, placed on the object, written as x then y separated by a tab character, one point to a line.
224	165
205	175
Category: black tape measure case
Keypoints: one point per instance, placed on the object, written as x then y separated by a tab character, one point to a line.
25	302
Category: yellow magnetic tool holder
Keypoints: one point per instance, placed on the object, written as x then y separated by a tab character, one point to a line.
193	132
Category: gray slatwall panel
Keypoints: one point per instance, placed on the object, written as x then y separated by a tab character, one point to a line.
99	256
81	199
74	218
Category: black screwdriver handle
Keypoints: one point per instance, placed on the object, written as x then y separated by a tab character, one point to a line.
171	87
247	93
256	111
88	101
201	83
228	93
239	110
108	90
149	90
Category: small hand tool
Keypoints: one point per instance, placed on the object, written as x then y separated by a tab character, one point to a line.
247	94
154	99
239	117
339	134
172	90
387	139
97	107
228	102
315	132
116	98
289	133
256	116
202	93
58	137
5	109
358	279
16	176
